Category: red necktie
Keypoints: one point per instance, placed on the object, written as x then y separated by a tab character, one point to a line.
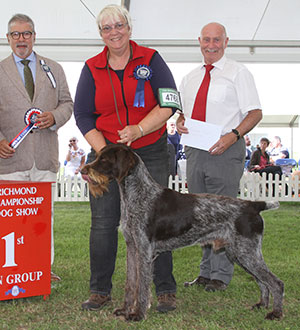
199	110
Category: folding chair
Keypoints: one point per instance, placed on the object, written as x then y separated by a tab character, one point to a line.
286	164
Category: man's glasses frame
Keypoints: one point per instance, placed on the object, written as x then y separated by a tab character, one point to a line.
16	35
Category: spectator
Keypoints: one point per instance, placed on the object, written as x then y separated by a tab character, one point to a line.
36	82
260	160
248	147
276	148
174	140
75	159
173	136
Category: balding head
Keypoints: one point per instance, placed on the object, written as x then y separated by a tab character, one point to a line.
213	41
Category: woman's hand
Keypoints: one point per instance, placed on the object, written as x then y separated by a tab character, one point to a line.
129	134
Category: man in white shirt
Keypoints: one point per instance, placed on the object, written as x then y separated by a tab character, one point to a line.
233	104
277	150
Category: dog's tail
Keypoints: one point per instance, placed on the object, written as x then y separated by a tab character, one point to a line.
262	206
272	205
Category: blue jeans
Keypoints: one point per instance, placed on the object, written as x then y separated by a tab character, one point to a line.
105	221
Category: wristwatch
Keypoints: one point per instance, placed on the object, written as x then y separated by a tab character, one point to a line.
236	132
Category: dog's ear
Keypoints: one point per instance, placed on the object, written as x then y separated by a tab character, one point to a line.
125	161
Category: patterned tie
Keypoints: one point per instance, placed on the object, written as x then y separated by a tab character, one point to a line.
199	110
29	84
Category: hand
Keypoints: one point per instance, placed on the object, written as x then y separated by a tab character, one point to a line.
223	144
45	120
5	150
129	134
181	129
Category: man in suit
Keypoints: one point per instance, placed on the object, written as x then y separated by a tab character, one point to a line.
36	157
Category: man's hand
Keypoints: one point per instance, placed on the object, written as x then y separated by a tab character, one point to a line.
223	144
181	129
45	120
5	150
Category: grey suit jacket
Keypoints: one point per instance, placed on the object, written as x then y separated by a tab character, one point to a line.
41	146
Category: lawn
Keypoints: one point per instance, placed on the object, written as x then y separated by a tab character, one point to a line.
196	309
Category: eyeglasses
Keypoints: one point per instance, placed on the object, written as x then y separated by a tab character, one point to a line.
72	141
16	35
108	28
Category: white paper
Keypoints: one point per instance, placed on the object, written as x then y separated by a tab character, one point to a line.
201	135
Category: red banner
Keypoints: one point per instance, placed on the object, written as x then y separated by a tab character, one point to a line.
25	239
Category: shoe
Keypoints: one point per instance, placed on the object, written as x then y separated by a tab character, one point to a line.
166	302
55	278
215	285
95	302
200	280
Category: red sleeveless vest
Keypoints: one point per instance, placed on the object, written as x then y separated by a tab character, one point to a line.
108	122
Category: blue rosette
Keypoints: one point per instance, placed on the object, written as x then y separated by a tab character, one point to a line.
142	73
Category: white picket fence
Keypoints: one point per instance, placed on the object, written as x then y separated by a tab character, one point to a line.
252	187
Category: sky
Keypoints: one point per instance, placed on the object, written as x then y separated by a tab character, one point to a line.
277	85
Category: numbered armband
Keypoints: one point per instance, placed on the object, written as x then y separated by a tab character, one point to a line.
169	98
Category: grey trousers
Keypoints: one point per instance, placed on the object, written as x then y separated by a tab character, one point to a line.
218	175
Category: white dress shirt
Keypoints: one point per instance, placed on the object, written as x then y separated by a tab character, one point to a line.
31	64
232	93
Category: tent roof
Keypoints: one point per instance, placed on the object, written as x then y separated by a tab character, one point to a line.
259	30
279	121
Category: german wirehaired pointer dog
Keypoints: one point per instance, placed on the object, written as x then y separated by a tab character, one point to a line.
155	219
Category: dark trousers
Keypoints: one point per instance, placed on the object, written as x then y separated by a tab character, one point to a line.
105	221
270	170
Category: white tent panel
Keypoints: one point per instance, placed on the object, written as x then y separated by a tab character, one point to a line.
57	19
259	30
171	19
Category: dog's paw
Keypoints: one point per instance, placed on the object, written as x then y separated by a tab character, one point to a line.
259	305
120	312
134	317
274	315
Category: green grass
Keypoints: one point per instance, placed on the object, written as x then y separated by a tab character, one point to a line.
196	309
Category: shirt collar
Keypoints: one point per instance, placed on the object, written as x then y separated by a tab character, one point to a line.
31	57
219	64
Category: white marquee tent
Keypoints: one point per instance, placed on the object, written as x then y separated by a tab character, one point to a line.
260	31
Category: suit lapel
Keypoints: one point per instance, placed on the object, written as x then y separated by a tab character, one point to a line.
10	68
40	77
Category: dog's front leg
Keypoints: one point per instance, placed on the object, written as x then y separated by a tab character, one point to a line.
144	279
139	276
131	279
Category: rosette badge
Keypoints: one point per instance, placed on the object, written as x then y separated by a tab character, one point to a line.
30	119
142	73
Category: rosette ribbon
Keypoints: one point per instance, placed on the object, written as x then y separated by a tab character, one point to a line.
31	123
142	73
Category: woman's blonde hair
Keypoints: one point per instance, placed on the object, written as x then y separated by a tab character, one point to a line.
114	11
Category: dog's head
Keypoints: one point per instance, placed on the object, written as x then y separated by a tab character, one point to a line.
115	161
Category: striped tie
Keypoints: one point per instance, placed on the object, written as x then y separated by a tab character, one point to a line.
29	84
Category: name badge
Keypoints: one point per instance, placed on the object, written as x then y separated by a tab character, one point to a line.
169	98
